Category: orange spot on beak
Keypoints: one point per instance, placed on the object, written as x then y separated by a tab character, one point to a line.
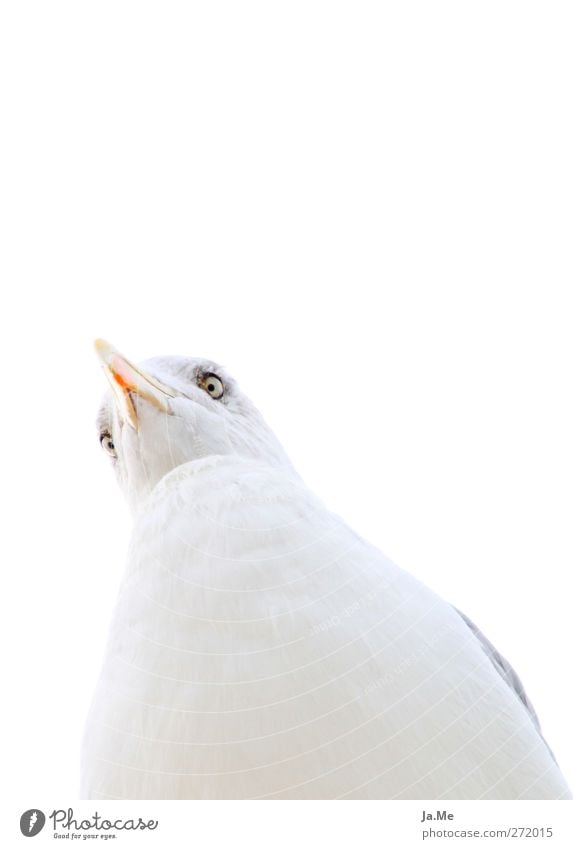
121	381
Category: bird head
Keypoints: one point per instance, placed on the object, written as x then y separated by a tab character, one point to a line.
173	410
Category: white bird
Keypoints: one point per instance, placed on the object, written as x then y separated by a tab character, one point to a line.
260	648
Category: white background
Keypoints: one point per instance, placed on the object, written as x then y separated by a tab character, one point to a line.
364	210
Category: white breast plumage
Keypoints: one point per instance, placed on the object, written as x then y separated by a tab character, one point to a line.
261	649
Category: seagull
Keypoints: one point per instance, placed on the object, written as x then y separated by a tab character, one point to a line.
260	648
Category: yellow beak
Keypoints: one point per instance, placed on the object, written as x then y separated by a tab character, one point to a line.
125	378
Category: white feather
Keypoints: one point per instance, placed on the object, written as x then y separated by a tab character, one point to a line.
260	648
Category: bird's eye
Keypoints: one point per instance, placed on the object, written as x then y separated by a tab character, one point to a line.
107	444
212	385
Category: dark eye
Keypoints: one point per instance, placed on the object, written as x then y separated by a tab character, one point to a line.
106	443
213	385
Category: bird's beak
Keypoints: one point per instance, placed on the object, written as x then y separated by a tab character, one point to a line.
126	378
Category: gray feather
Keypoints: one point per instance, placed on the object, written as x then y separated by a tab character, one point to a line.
506	671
